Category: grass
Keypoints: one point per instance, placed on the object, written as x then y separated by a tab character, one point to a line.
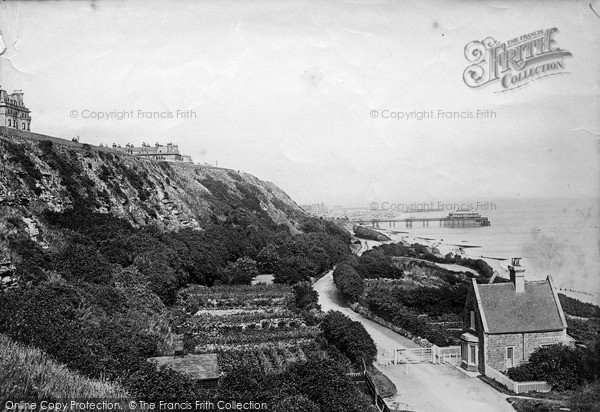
534	405
28	374
385	386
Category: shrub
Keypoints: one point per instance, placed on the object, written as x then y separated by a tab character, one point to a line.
30	173
350	337
375	264
293	269
240	272
348	280
28	374
521	373
561	366
586	399
305	297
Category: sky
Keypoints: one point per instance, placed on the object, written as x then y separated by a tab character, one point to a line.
286	91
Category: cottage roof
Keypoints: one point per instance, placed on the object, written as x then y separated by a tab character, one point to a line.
536	309
199	367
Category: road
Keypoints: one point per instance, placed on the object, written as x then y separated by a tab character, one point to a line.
421	387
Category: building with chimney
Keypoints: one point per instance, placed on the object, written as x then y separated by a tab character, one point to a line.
504	323
13	112
168	153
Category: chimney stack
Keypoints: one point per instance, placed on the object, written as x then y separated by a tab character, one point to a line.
517	275
18	94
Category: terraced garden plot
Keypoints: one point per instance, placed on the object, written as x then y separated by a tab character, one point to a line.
232	297
247	325
269	359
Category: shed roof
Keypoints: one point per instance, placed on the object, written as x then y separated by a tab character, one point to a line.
535	310
200	367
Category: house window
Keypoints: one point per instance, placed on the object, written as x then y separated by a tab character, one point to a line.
473	320
9	123
510	357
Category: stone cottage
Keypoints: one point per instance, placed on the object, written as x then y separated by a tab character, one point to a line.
504	323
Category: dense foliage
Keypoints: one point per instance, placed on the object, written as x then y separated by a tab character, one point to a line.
561	366
419	251
575	307
305	297
348	280
374	264
383	304
298	258
106	295
240	272
350	337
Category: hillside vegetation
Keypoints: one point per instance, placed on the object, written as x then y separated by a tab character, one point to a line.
28	373
105	259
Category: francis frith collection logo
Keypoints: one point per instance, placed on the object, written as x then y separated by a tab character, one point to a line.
516	62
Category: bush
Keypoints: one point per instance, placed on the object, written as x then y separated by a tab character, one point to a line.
305	297
386	302
586	399
348	281
561	366
521	373
350	337
375	264
240	272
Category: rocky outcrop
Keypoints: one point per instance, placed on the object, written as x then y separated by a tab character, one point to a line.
40	172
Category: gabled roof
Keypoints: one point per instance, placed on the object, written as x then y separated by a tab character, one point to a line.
537	309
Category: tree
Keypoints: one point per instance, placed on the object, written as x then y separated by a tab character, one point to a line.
268	259
294	269
240	272
348	280
160	275
324	383
375	264
349	336
305	297
561	366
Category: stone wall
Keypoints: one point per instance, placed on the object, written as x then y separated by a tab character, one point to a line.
524	345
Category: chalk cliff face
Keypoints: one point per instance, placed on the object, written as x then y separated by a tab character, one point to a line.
39	172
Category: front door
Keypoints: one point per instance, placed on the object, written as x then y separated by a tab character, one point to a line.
510	357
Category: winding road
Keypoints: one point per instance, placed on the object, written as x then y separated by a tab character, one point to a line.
424	387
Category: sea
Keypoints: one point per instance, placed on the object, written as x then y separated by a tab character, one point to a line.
556	237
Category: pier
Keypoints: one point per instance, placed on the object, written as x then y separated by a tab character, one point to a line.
422	221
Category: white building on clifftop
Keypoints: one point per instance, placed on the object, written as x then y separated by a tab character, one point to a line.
13	112
168	153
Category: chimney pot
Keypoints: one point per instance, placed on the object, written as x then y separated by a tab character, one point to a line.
517	275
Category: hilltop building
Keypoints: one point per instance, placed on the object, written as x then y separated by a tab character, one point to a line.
316	209
168	153
504	323
13	112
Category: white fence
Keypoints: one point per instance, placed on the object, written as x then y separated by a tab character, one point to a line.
398	356
434	354
516	387
446	354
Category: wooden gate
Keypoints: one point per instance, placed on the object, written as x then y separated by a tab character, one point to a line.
398	356
447	354
434	354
